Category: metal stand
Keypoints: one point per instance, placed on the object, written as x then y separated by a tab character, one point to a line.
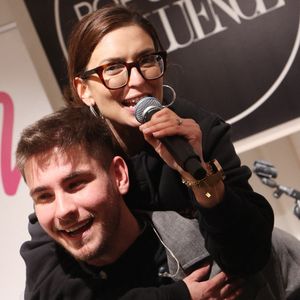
266	172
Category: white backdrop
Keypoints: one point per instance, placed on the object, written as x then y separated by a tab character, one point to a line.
22	100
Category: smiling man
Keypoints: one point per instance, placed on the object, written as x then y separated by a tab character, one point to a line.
78	181
79	205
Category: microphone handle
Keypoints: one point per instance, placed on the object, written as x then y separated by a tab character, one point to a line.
185	156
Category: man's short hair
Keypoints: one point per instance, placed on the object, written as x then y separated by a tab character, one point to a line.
65	129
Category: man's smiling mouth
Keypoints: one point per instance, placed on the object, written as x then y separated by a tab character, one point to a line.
78	228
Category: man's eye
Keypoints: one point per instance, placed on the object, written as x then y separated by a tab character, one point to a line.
43	198
76	185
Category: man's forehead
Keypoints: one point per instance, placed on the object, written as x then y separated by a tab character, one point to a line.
74	157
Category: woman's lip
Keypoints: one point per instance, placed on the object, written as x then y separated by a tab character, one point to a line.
132	102
131	109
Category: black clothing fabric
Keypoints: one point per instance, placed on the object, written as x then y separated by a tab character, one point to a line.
133	276
237	232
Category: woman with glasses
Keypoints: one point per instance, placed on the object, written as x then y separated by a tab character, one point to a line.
116	60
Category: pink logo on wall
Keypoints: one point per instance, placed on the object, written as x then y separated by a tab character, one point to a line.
10	175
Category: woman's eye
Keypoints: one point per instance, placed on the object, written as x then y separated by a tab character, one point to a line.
114	69
148	60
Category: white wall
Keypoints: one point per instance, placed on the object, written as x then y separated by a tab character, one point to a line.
22	100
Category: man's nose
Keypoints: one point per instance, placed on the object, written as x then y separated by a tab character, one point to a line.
66	208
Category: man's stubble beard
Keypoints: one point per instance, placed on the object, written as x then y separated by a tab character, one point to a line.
96	250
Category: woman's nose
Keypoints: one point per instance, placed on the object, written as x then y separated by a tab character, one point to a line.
135	78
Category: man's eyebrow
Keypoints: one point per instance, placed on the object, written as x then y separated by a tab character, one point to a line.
75	174
39	189
69	177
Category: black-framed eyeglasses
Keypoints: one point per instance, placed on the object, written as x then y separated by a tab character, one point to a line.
116	75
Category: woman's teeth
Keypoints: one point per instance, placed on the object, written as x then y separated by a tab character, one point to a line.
132	102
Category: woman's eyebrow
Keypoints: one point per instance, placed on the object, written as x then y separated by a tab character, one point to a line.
112	59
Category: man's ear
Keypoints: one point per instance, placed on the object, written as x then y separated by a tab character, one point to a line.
120	171
83	91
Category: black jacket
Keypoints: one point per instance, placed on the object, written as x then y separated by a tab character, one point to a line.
237	232
53	274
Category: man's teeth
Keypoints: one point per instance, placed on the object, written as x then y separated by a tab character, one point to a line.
76	227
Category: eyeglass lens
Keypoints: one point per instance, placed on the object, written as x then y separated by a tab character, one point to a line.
150	67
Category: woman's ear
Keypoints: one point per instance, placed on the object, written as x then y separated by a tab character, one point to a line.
120	172
83	91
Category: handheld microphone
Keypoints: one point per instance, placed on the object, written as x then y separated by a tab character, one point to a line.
178	146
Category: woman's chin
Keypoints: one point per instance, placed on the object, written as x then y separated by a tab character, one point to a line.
129	117
130	109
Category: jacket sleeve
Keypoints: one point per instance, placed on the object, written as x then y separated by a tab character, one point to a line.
286	257
238	231
175	291
51	273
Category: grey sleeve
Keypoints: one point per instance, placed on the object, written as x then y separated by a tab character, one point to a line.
287	251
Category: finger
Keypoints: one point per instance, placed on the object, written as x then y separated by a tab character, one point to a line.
232	289
164	118
179	121
200	274
234	295
170	128
154	142
161	126
160	116
218	281
163	152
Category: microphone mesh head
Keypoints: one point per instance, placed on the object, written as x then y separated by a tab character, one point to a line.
144	105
